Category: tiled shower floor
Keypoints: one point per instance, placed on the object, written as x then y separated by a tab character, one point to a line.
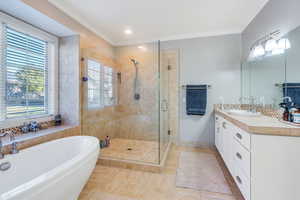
135	150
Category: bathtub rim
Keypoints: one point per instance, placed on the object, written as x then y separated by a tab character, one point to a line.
76	161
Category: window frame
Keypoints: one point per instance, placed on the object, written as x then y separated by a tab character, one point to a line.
52	89
98	106
102	105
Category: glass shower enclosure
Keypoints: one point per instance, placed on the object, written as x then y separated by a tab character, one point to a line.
126	102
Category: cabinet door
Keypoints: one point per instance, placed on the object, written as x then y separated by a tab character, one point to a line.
228	144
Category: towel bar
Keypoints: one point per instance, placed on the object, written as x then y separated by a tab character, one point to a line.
281	85
208	87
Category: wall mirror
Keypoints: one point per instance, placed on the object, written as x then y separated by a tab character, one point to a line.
273	74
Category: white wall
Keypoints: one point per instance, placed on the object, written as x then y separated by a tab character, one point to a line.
207	60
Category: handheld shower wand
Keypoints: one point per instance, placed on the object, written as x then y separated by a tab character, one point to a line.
136	96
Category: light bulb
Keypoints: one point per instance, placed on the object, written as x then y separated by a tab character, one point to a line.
259	51
251	55
284	43
128	31
271	45
142	48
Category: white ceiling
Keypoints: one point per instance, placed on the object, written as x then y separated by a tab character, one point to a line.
152	20
26	13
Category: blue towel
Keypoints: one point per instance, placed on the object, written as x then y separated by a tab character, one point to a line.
292	90
196	99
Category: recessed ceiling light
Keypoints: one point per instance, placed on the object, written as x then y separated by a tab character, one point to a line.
128	31
142	48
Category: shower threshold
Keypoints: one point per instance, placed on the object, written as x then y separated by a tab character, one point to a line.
132	154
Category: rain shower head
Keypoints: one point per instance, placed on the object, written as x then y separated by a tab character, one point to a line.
134	61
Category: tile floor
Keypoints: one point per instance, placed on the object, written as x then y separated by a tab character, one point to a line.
144	151
109	183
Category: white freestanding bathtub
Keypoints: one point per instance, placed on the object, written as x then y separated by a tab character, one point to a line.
56	170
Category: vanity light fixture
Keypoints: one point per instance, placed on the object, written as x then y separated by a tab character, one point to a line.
271	45
251	55
284	43
259	51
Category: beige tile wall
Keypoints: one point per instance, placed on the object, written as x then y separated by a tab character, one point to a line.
132	119
97	122
141	118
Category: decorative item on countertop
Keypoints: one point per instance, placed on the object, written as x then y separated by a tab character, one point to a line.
102	144
44	125
107	141
34	126
57	120
25	128
286	112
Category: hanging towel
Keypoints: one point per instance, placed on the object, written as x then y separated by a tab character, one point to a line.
292	90
196	99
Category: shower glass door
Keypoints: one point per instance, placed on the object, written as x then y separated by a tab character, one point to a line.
121	101
164	103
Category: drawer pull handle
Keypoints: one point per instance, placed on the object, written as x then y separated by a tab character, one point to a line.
238	135
239	179
224	125
239	155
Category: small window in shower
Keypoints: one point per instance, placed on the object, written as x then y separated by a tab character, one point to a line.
108	86
100	85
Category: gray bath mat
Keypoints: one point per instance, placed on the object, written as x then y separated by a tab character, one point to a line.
201	171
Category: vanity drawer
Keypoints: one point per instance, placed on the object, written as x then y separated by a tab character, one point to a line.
243	137
242	158
243	183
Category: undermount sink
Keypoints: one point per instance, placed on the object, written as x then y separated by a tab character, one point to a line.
245	113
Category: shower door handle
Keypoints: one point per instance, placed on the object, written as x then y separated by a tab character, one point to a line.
164	105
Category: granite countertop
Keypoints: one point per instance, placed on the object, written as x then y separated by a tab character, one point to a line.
262	124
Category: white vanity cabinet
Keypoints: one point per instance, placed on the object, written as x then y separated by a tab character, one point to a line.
218	136
233	144
264	167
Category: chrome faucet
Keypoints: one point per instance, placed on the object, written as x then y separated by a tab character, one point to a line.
222	102
252	104
14	144
1	154
288	98
1	144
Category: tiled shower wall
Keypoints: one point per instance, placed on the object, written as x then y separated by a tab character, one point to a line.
141	117
97	122
132	119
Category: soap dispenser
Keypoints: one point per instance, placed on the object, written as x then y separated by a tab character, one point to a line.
286	113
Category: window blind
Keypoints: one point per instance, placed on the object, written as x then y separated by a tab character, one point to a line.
26	74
